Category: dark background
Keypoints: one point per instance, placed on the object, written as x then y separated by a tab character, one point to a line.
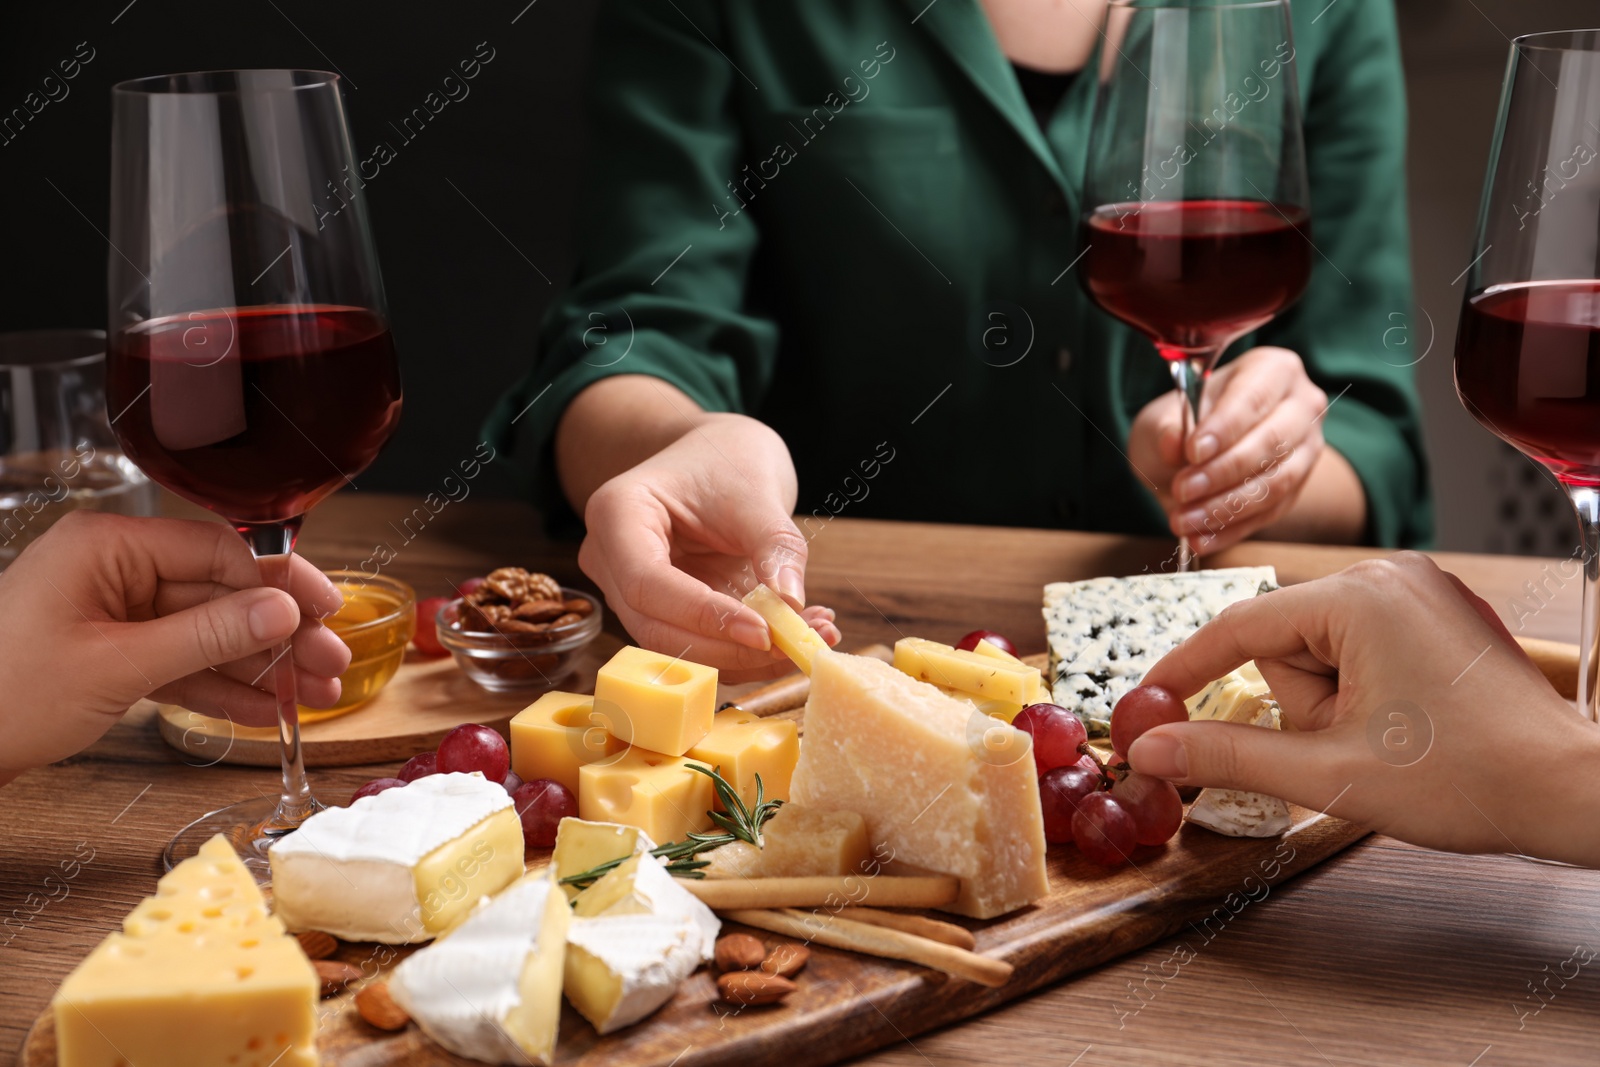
466	288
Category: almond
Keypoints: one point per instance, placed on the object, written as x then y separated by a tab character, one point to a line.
786	961
739	952
578	606
753	987
378	1007
335	975
540	610
316	944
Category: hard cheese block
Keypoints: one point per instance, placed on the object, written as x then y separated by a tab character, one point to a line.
977	674
741	746
401	866
1105	633
1242	697
797	841
902	755
201	959
555	735
649	700
658	794
491	991
620	968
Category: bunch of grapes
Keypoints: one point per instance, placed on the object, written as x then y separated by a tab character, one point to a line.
1106	810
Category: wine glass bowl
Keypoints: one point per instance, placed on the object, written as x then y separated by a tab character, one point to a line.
250	364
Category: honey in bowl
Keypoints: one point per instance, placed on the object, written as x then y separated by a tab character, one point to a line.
377	621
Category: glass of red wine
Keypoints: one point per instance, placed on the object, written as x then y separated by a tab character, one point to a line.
250	364
1198	225
1528	344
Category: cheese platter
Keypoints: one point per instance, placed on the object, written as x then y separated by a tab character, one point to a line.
848	857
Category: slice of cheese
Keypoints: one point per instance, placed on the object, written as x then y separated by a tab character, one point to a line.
797	841
1105	633
640	885
201	959
657	793
401	866
583	844
792	634
654	701
555	735
979	675
620	968
1241	696
994	651
741	746
1003	710
900	753
491	991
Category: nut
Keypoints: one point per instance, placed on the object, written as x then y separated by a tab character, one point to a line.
569	619
739	952
335	975
316	944
540	610
521	626
786	961
518	586
579	606
378	1007
753	987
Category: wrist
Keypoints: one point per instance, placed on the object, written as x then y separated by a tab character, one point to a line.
1563	822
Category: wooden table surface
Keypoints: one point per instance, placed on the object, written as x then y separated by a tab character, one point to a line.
1385	955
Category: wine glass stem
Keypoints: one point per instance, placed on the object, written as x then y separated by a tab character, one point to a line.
1586	502
273	547
1190	371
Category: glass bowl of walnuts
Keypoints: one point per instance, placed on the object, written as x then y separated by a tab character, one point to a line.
518	629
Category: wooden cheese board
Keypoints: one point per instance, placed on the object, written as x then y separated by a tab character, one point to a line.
847	1004
427	698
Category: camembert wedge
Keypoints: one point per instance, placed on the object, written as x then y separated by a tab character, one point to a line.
200	975
401	866
491	991
934	795
640	885
620	968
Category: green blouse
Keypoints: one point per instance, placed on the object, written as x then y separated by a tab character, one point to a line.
841	217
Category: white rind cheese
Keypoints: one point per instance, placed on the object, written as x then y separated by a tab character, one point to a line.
620	968
1105	633
491	991
641	885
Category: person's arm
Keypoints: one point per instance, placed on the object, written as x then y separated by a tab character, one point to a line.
103	610
1407	708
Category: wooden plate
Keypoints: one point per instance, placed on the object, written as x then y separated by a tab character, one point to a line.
427	698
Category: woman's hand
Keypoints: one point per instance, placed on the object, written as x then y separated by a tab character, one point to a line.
1407	708
103	610
677	540
1252	454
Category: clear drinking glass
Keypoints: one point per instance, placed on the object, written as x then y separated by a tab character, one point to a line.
57	452
1528	346
251	368
1197	228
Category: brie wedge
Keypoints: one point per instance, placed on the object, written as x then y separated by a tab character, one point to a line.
620	968
401	866
1242	697
640	885
491	991
584	844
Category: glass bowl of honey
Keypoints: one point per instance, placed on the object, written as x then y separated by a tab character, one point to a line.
377	621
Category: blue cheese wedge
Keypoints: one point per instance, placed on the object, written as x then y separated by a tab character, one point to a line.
1105	633
1242	697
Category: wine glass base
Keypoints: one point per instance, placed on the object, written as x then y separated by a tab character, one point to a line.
249	827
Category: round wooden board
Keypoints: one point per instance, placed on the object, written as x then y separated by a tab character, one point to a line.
425	700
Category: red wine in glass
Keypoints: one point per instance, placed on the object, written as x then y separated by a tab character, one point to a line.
1193	275
256	413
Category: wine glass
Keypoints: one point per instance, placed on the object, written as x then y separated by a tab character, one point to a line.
1197	222
250	364
1528	345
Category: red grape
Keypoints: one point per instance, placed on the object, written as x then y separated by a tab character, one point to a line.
376	786
427	636
1154	804
970	642
470	747
512	783
1056	734
419	766
1060	793
1104	830
469	586
1142	708
542	804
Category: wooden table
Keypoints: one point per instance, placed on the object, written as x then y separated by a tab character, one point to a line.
1385	955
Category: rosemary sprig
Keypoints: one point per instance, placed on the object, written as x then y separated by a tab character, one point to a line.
738	823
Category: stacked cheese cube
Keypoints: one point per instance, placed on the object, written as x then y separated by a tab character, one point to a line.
626	751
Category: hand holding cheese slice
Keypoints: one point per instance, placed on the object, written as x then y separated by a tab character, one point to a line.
1241	696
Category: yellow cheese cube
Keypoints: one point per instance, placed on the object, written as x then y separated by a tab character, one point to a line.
741	746
655	792
653	701
797	841
790	632
200	975
971	672
555	735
